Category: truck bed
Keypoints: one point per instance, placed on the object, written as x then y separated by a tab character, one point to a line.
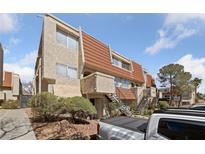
133	124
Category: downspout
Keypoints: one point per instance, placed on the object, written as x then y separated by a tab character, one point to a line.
82	54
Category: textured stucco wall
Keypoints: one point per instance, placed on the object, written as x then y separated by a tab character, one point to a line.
2	95
153	92
66	90
16	84
9	95
54	53
105	83
98	83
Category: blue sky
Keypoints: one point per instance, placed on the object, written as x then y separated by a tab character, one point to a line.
152	40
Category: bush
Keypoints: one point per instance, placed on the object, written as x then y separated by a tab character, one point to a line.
112	109
46	105
79	107
11	104
148	111
133	106
163	104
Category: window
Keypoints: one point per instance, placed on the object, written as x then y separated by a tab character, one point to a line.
117	82
61	37
72	72
181	129
120	63
126	84
126	66
122	83
72	44
67	40
61	69
116	62
66	71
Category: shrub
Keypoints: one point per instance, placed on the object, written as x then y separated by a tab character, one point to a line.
133	106
148	111
113	109
46	105
79	107
11	104
163	104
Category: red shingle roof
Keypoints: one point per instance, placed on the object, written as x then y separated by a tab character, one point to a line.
149	81
97	57
125	94
7	82
138	72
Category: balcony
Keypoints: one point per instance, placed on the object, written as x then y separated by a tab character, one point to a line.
151	92
97	83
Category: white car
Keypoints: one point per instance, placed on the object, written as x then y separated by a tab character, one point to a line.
175	124
199	106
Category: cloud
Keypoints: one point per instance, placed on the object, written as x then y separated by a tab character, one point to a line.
8	22
14	41
29	59
6	50
26	73
173	19
196	66
25	67
175	29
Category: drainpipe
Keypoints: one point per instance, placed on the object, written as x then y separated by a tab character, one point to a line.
110	52
82	53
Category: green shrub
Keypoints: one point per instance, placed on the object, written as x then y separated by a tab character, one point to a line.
163	104
79	107
148	111
46	105
11	104
112	109
133	106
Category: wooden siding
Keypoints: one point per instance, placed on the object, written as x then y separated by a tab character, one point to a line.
7	82
97	57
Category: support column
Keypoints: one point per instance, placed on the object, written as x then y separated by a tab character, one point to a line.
99	104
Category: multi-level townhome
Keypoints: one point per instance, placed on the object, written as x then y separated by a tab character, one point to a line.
186	99
71	62
10	84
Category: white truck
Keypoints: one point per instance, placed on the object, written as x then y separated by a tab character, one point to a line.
174	124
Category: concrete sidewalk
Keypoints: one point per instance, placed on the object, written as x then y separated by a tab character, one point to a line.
15	125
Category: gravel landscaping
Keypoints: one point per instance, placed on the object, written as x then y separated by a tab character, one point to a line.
63	129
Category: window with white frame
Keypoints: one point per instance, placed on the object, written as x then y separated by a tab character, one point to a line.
116	62
71	72
122	83
67	40
61	37
117	82
126	66
126	84
120	63
66	71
